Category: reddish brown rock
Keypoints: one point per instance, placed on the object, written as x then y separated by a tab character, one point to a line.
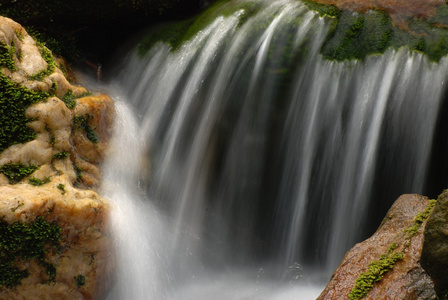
407	280
398	9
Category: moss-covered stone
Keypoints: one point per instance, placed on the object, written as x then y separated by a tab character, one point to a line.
419	219
7	56
61	155
378	268
69	99
15	172
322	9
51	64
80	280
38	182
175	34
26	241
14	100
375	272
358	34
352	35
61	187
82	123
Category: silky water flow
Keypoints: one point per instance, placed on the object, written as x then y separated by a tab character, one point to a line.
244	165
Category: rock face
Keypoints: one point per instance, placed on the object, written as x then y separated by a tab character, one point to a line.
54	236
434	257
399	10
392	252
81	257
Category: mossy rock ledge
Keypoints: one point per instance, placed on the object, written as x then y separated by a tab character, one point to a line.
356	28
387	265
54	235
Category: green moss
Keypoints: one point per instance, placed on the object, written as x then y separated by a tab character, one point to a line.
375	272
48	58
15	172
50	271
358	35
7	56
52	140
377	269
176	34
19	35
419	219
14	100
62	188
78	173
441	17
82	122
38	182
322	9
60	155
69	99
352	35
54	87
171	34
222	8
23	242
80	280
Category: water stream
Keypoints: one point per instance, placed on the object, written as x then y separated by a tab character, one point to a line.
244	165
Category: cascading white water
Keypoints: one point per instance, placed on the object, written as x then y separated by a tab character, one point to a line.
263	156
139	231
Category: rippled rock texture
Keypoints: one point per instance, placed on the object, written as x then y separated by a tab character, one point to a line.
54	238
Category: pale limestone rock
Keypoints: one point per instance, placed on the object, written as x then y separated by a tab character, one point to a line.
31	62
52	120
53	116
63	85
85	241
36	152
81	214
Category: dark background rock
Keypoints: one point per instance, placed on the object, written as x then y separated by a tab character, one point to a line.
92	30
434	258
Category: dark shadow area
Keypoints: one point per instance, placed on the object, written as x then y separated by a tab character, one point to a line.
89	32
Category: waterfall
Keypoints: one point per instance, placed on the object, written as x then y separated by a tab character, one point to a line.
245	165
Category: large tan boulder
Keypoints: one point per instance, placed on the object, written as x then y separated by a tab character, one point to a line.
81	257
54	228
387	264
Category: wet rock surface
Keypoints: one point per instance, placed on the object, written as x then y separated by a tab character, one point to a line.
406	279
